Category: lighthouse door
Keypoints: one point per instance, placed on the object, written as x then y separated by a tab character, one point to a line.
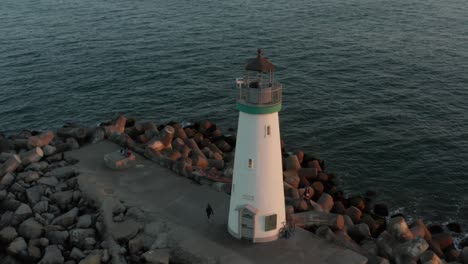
247	223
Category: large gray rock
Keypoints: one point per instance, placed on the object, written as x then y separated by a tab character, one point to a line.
41	207
34	252
67	219
77	236
7	235
30	228
77	254
23	211
63	199
34	194
28	176
63	172
84	221
52	255
49	181
17	246
126	230
37	166
159	256
7	180
57	237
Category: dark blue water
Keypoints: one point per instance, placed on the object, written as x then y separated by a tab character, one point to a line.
379	89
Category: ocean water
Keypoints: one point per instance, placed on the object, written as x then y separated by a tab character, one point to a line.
379	89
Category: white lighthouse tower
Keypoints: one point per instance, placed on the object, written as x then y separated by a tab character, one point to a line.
257	208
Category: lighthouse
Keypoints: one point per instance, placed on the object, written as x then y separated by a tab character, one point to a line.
257	208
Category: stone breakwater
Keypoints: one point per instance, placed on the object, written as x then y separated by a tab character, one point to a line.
47	218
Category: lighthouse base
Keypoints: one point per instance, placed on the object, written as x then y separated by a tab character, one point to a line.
255	240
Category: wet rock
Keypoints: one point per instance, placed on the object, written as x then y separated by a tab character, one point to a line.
444	240
451	254
57	237
16	246
435	229
30	228
84	221
77	254
52	255
381	210
8	234
463	257
124	231
34	194
454	227
67	219
159	256
398	228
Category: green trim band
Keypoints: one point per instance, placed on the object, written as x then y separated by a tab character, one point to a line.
258	110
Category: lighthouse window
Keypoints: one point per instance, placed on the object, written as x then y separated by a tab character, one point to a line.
268	130
250	163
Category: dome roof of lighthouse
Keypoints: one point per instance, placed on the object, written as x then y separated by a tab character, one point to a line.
260	64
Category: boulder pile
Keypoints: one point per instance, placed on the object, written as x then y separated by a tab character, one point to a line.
45	218
358	222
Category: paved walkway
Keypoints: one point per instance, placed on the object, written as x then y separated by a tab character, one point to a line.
163	194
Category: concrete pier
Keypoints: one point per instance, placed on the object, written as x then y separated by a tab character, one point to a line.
181	203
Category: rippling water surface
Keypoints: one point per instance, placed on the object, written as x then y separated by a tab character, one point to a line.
379	89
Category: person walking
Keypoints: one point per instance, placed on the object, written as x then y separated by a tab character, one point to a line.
209	213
